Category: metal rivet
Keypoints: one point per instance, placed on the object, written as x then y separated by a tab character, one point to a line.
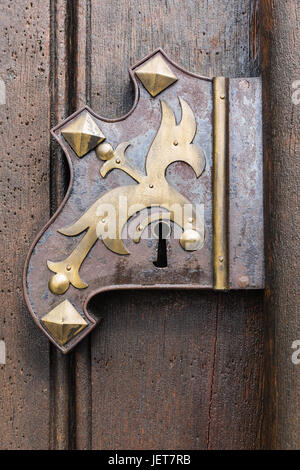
68	268
221	259
104	151
191	240
244	84
59	284
175	142
118	161
244	282
222	97
151	186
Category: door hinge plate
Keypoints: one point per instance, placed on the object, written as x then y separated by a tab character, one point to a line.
168	196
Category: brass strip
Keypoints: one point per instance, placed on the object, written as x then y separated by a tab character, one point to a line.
220	245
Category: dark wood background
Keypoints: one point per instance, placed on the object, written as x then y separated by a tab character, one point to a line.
168	370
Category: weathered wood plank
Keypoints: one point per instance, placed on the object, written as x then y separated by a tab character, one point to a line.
280	62
150	367
158	361
62	104
24	167
163	367
236	387
82	354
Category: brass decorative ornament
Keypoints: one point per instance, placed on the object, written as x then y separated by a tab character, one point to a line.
83	134
64	322
165	197
156	75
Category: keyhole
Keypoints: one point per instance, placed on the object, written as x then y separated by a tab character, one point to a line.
161	231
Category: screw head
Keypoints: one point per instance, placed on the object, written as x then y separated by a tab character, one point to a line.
244	84
244	282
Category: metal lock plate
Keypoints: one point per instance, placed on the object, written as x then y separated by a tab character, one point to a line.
186	162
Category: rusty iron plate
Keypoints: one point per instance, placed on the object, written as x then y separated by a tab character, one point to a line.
169	128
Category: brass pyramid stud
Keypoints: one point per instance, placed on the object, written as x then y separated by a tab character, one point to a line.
64	322
156	75
83	134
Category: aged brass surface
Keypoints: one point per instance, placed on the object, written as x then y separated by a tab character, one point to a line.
104	151
220	213
59	283
118	162
173	142
64	322
82	134
151	136
191	240
70	266
156	75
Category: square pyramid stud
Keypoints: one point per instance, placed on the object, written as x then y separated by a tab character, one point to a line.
156	75
64	322
82	134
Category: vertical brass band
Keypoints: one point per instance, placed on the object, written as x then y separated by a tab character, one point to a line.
220	243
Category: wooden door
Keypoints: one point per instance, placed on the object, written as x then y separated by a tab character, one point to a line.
167	370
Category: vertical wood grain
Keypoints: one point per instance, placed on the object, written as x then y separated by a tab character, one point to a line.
70	375
164	366
24	186
163	370
82	392
63	94
280	63
152	364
